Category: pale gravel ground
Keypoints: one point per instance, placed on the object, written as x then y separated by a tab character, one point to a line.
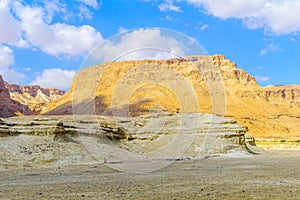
272	175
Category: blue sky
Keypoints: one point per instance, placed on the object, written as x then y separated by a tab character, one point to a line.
45	42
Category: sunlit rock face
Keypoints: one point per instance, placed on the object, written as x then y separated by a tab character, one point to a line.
191	84
64	140
33	96
9	107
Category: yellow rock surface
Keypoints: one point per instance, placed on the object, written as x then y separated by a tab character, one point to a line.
209	84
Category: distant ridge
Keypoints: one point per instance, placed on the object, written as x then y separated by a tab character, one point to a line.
9	107
33	96
25	100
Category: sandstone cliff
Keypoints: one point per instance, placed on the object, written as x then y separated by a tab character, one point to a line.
9	107
33	96
199	83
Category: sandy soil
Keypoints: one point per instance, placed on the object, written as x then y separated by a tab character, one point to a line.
272	175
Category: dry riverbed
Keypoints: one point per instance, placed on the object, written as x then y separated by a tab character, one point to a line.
271	175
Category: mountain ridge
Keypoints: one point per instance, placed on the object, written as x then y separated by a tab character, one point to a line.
33	96
25	100
270	112
9	107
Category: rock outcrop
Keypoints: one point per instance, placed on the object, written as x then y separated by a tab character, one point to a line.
163	137
33	96
138	87
9	107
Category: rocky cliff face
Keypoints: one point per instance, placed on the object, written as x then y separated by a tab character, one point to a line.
163	137
33	96
199	83
25	100
4	94
282	95
9	107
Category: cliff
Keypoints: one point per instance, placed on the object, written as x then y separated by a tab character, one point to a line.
209	84
33	96
9	107
61	140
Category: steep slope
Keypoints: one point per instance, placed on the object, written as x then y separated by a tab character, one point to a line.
137	87
9	107
34	96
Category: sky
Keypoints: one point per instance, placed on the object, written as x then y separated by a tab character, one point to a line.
45	42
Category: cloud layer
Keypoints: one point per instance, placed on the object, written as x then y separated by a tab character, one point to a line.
92	3
169	6
6	57
55	78
276	17
6	60
262	78
58	38
31	26
140	44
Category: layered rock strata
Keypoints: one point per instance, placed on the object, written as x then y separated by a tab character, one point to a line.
207	84
9	107
60	140
33	96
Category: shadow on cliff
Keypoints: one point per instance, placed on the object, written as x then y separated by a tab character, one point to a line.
128	110
14	108
97	106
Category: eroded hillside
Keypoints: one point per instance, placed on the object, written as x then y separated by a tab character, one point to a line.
18	100
200	83
33	96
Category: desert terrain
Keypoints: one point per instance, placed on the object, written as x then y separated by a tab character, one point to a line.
204	129
100	157
140	99
270	175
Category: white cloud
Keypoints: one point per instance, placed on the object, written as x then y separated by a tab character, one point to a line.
140	44
29	25
58	38
169	18
205	26
230	8
169	6
59	8
262	52
278	17
6	61
92	3
122	29
85	12
6	57
71	40
10	28
268	48
55	78
262	78
12	76
54	7
283	16
26	26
